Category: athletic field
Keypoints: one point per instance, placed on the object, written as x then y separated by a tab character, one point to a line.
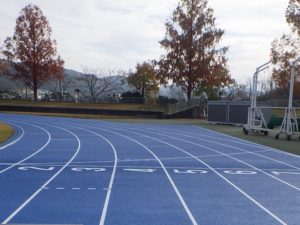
73	171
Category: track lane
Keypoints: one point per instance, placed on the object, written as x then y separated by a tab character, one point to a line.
272	215
253	158
291	201
212	188
145	220
31	155
20	194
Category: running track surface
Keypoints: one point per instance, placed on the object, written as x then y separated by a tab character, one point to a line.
73	171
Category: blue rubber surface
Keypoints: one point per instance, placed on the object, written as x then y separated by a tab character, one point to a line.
73	171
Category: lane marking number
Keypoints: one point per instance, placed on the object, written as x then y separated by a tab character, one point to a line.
148	170
141	170
240	172
190	171
80	169
36	168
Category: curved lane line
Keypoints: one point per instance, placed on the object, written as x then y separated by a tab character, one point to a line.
232	139
229	156
12	215
188	211
106	202
237	148
14	141
33	154
220	175
245	142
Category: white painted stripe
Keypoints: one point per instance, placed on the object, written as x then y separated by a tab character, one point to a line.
231	138
60	188
76	189
33	154
91	189
12	215
14	141
229	156
57	139
107	198
220	175
189	213
105	207
249	152
245	142
240	149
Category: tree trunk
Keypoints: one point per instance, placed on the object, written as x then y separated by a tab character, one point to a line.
35	90
26	91
143	90
189	93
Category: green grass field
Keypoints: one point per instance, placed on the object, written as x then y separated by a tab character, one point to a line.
6	132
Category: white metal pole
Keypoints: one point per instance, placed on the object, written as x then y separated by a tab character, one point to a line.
291	93
289	128
252	111
255	81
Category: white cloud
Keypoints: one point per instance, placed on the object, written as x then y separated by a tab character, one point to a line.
119	33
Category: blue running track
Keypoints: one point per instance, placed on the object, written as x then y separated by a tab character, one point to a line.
72	171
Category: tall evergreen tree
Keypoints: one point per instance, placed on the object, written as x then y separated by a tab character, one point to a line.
193	59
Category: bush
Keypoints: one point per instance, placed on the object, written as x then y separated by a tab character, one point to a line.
164	100
132	98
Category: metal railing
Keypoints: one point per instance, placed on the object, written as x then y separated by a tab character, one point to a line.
182	106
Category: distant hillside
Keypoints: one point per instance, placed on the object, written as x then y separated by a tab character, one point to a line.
70	82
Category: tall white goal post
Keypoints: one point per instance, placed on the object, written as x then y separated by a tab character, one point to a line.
289	126
256	122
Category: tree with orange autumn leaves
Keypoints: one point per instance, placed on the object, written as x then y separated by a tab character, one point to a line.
286	49
31	52
193	61
144	79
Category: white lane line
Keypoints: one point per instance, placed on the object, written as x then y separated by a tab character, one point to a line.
189	213
225	138
33	154
60	188
87	163
112	178
219	174
12	215
249	152
229	156
245	142
15	141
94	166
237	148
58	139
76	189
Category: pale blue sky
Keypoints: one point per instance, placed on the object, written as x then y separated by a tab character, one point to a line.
117	34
